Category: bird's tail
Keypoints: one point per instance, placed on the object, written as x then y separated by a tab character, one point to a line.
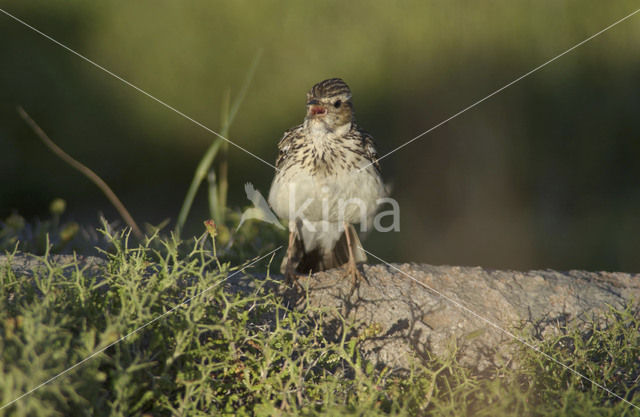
319	259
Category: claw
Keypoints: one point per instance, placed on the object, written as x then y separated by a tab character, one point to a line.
354	273
290	275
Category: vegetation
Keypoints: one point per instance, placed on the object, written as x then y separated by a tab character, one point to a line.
181	341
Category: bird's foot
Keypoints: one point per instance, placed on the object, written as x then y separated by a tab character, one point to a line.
354	273
290	275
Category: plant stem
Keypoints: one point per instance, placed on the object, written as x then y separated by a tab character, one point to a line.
219	200
228	115
222	183
200	174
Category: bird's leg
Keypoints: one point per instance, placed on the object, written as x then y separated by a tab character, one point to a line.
352	267
290	275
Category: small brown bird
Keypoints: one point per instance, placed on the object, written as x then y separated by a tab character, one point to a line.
327	180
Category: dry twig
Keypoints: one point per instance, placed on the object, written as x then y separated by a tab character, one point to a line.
84	170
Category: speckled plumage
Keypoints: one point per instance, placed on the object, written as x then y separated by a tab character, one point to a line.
348	151
322	163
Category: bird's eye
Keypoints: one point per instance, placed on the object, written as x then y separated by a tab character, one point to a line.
337	104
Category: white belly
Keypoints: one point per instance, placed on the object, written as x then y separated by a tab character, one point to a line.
349	197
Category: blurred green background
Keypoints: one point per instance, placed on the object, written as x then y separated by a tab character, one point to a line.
544	174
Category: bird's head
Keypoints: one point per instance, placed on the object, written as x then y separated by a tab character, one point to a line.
329	102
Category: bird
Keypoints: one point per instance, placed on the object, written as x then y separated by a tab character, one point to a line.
327	180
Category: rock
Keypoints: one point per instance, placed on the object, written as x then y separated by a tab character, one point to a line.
24	264
415	310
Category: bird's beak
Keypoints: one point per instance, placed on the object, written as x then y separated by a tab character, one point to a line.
317	110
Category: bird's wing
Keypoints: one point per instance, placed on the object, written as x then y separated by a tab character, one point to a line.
286	143
260	209
260	202
251	192
368	146
267	214
370	150
249	214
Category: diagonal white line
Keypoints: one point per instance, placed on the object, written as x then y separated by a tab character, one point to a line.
135	87
97	352
508	333
504	87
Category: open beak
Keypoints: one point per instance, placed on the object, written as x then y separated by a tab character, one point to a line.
317	110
